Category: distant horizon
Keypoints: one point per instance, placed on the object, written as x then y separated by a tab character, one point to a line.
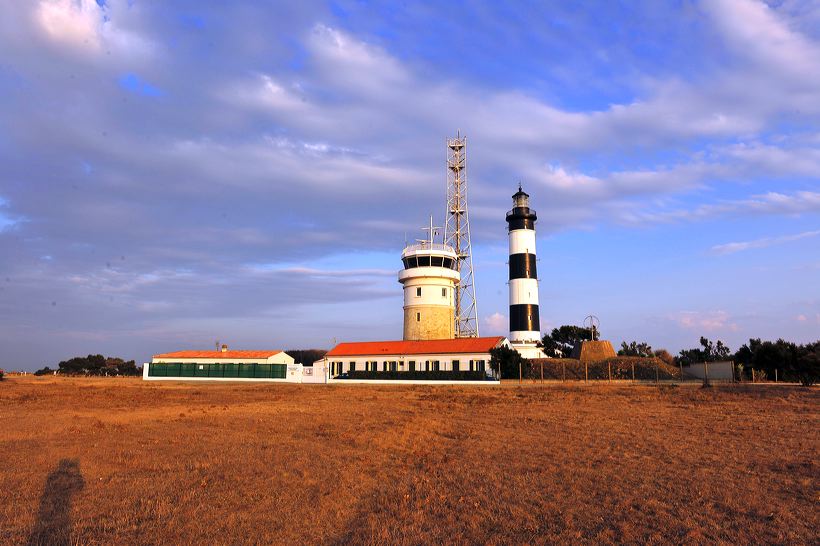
175	175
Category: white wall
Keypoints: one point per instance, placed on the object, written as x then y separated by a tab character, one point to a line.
717	370
522	241
445	361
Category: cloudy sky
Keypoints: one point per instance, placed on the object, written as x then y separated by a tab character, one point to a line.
175	173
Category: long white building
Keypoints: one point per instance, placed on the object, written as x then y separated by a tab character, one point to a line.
460	354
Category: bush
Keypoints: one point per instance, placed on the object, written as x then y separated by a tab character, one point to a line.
759	376
665	356
44	371
509	361
419	375
2	374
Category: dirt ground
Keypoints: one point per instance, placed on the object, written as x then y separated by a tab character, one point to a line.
122	461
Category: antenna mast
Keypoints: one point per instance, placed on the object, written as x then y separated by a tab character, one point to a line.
457	235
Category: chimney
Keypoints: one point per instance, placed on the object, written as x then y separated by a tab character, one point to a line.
224	348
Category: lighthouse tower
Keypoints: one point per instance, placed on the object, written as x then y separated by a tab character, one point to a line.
525	327
430	276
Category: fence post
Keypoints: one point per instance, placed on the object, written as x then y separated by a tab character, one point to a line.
542	371
657	375
633	371
520	376
680	365
609	370
586	372
775	375
563	372
705	374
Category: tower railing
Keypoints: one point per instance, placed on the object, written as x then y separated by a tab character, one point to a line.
524	210
428	246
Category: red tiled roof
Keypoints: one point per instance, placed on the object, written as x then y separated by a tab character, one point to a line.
219	354
433	346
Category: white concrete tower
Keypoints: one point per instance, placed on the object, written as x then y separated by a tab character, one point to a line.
525	327
430	276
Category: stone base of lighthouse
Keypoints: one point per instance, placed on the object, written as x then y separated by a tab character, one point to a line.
428	322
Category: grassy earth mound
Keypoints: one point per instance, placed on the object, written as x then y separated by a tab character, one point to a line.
621	367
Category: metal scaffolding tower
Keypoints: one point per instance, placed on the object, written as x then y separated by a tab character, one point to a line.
457	235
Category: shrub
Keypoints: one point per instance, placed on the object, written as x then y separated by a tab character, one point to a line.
2	374
509	361
665	356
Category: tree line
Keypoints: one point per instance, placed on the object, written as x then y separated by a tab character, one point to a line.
93	365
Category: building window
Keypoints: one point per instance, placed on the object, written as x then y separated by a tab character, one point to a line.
418	291
435	365
455	365
412	365
418	317
443	292
480	366
426	365
352	367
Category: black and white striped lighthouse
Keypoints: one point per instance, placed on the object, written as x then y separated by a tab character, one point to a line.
525	327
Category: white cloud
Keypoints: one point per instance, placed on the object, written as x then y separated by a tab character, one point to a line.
758	34
730	248
799	202
76	23
496	323
710	321
85	27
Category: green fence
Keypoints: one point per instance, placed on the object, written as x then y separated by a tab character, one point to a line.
228	369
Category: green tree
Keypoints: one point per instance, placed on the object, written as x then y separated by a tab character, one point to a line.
635	349
98	365
792	361
708	352
507	360
807	364
561	341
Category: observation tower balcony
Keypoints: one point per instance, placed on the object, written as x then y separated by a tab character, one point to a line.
428	248
429	260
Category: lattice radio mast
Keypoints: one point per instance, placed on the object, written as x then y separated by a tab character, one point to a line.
457	235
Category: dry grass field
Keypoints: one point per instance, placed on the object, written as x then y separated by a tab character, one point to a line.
107	461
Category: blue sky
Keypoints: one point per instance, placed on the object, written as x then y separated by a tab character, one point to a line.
172	174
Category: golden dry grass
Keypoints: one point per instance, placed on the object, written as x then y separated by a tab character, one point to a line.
127	462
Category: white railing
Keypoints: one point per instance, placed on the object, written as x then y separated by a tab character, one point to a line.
428	246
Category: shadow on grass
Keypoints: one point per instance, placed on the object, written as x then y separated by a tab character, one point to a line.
53	525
